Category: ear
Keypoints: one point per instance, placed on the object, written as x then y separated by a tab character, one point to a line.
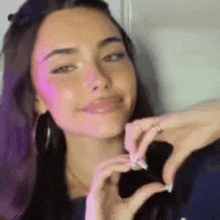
40	106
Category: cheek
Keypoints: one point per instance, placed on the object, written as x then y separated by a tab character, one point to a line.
63	105
46	90
65	102
56	93
125	81
125	78
131	83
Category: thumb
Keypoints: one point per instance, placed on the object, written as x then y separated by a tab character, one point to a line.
173	163
143	194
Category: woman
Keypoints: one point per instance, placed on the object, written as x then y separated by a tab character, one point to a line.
52	91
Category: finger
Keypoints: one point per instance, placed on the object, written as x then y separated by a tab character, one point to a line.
135	129
100	178
148	138
115	177
128	141
173	163
169	123
143	194
172	120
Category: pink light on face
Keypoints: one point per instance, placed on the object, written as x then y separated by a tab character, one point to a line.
41	80
67	91
45	85
93	74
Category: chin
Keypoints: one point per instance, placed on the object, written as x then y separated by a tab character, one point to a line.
108	132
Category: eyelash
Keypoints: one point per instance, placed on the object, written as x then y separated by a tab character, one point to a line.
120	56
59	70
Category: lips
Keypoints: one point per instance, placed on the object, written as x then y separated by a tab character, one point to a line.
102	104
105	105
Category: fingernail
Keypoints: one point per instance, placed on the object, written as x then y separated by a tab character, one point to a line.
135	166
145	166
142	163
169	188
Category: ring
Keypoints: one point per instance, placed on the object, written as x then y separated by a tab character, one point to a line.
158	128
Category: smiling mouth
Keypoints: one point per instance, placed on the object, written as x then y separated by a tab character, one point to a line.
105	108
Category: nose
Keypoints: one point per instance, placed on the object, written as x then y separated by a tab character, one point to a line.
97	78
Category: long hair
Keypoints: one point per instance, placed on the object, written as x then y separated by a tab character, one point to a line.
28	180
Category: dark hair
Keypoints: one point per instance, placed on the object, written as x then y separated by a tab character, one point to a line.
43	191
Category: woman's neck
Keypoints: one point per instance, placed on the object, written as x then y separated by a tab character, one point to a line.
75	187
83	156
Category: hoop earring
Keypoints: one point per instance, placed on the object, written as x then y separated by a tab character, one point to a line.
41	132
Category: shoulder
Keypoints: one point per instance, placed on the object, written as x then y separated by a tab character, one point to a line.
197	185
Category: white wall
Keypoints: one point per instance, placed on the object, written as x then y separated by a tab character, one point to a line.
178	47
188	67
6	8
116	9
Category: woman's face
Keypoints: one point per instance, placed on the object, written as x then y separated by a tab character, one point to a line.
96	58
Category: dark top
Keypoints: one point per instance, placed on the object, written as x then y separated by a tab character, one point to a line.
197	186
78	206
195	196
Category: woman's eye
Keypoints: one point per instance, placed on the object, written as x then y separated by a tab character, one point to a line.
114	57
63	69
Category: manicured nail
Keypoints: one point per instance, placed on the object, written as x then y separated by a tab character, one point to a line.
169	187
145	166
139	164
135	166
142	163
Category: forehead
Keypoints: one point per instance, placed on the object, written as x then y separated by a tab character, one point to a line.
73	27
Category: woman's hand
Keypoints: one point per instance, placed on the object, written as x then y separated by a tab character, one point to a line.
103	201
186	131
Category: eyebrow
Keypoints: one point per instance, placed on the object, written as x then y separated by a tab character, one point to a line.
73	50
